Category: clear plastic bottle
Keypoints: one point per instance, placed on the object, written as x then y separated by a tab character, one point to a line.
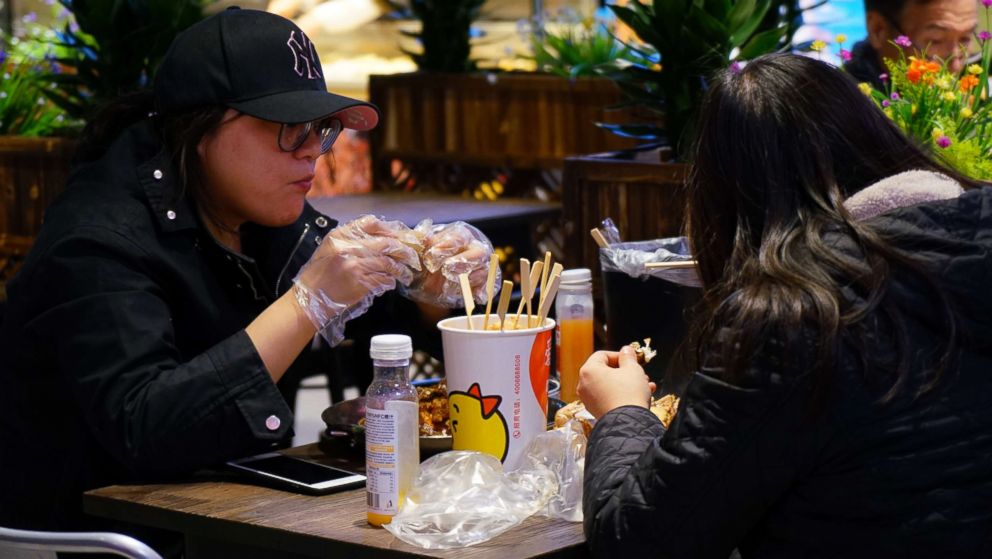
574	332
392	434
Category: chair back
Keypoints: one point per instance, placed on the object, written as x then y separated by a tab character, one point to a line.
31	544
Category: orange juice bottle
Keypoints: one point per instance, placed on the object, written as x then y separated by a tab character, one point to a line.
392	428
575	337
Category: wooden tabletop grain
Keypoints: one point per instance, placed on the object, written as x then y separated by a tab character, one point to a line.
221	517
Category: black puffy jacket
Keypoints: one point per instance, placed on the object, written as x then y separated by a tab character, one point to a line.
746	465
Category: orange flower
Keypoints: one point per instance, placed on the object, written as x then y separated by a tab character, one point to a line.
967	83
921	69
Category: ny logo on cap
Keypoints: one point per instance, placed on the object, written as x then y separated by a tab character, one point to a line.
304	56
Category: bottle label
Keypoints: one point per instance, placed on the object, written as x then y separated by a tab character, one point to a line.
381	462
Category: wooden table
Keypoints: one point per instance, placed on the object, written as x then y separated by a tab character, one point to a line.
230	519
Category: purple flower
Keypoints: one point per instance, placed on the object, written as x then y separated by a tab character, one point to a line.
30	17
3	56
894	96
885	103
984	36
944	141
845	55
987	3
883	77
735	67
903	41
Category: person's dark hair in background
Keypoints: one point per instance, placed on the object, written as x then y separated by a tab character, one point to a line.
839	407
943	28
760	211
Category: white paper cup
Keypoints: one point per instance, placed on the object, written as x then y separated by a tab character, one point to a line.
497	385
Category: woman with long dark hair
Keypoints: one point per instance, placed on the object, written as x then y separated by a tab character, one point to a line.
840	405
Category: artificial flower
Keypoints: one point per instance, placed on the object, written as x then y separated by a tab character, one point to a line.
817	45
975	69
967	83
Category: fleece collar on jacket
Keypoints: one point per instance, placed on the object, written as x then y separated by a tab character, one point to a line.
900	191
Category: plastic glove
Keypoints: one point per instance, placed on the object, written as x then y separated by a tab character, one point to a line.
347	271
368	228
450	250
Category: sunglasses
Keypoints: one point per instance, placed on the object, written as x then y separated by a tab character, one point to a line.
292	136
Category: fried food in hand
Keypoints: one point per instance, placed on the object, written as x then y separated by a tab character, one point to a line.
644	352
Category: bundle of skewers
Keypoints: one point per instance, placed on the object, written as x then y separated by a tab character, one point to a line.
540	278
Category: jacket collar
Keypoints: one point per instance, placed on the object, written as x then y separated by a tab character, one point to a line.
159	180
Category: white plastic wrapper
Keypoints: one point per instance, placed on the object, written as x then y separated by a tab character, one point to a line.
631	257
463	498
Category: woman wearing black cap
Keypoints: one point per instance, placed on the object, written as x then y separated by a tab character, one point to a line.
182	273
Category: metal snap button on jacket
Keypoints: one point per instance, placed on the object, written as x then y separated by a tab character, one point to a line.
170	214
321	221
272	423
157	174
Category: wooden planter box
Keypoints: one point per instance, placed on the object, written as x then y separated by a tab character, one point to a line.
513	121
33	171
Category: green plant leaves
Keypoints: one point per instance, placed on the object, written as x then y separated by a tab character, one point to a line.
693	40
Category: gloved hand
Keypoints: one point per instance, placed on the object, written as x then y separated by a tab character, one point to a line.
355	263
450	250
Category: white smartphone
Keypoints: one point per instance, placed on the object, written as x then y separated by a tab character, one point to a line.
297	474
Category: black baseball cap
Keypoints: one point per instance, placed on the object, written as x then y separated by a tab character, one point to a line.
257	63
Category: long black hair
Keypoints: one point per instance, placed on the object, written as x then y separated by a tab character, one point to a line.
781	144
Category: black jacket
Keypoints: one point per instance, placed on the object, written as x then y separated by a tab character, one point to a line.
123	354
864	65
747	465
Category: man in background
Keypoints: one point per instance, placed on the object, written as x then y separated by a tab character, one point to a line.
942	28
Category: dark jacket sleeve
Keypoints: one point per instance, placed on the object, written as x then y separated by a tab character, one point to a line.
154	410
696	490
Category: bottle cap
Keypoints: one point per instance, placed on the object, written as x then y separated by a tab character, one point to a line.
391	346
576	275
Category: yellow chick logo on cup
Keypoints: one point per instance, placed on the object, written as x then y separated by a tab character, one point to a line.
478	420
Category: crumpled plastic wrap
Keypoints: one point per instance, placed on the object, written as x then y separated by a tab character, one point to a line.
463	498
631	257
563	451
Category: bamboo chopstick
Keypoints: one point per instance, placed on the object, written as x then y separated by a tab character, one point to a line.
504	302
597	235
544	276
524	288
546	306
671	265
493	265
469	301
535	280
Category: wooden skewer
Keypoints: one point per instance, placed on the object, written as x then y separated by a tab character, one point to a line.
671	265
546	306
493	265
524	288
597	235
504	302
544	276
469	301
535	280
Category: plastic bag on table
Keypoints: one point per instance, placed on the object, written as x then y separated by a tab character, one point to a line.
563	451
462	498
631	257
